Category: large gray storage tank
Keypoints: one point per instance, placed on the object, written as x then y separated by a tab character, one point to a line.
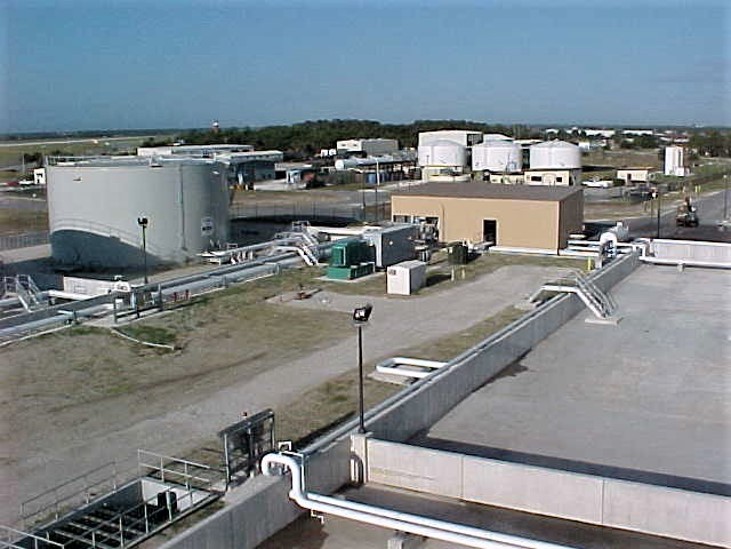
94	205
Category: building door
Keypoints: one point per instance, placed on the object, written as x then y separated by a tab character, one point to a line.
489	231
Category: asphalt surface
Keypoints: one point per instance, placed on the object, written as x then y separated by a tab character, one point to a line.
710	211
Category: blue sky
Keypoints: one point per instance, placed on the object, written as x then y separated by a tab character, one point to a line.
76	64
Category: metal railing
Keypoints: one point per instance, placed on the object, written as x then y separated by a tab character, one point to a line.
167	470
13	536
24	240
53	503
298	210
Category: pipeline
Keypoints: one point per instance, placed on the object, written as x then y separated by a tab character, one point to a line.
404	522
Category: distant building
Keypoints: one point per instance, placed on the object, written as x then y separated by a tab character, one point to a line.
632	176
366	147
675	161
39	176
192	151
466	138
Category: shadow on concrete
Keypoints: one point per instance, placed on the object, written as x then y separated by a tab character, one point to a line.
574	466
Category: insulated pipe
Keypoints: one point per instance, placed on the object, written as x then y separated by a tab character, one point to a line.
405	522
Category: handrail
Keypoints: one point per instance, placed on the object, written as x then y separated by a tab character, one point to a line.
83	491
25	535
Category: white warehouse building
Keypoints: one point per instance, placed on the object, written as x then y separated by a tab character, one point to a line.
94	206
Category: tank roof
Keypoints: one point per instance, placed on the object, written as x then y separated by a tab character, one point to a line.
555	145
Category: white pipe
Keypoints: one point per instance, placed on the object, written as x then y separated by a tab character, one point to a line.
685	262
405	522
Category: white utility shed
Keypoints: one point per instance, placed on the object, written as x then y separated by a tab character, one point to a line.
406	277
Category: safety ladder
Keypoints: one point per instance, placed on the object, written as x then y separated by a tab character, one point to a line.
598	302
24	288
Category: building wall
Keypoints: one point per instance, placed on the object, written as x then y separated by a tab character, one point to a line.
521	223
559	178
571	217
634	176
372	147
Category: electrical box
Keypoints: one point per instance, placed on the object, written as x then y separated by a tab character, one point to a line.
406	278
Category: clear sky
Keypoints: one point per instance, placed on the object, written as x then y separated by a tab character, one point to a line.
105	64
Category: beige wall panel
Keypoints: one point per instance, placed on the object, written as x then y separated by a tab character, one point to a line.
521	223
571	217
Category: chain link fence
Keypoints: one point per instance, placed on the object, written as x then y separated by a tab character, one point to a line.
23	240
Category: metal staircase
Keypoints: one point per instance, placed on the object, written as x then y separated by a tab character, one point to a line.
22	287
301	242
600	303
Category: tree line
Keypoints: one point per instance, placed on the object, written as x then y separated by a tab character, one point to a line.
306	139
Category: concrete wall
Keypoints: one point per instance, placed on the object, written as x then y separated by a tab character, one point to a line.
646	508
690	251
261	507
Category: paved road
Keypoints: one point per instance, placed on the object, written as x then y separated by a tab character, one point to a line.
710	211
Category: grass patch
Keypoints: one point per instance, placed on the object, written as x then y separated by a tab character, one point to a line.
448	347
439	272
151	334
17	221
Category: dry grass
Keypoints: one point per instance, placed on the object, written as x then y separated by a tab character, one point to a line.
16	221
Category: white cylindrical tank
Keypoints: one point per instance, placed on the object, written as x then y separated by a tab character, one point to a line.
552	155
497	156
94	206
342	164
443	153
495	137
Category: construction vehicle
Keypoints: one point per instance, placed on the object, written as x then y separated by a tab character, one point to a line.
687	215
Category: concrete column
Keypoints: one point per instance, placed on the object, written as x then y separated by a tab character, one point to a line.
359	457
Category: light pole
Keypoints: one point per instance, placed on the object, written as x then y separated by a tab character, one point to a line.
360	317
143	222
378	183
725	196
656	195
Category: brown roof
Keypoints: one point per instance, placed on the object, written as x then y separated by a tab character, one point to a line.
476	189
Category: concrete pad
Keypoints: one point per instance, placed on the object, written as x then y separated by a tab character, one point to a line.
652	394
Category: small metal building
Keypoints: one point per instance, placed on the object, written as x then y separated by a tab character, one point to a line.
509	216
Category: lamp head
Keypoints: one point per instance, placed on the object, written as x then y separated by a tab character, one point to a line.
362	314
142	221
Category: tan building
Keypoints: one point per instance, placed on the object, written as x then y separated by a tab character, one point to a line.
511	216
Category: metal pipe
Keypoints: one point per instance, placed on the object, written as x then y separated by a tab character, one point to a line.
405	522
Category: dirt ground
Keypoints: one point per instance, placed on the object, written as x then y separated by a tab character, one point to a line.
75	399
